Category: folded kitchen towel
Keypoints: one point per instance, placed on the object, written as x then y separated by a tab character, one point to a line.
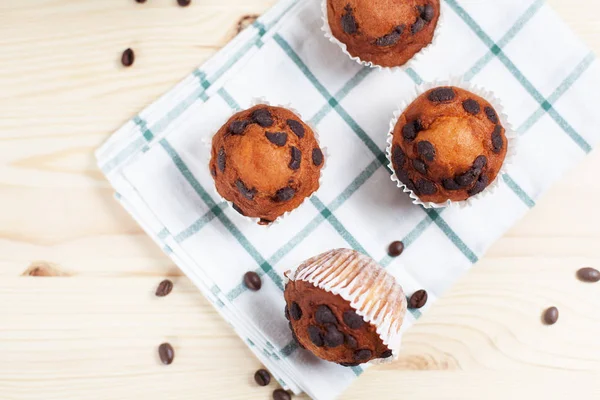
158	162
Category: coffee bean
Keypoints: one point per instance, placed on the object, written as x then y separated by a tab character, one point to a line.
296	155
239	210
387	354
238	127
263	117
471	106
550	316
127	58
428	13
280	394
247	193
295	311
252	281
426	151
420	166
426	187
351	342
479	187
353	320
262	377
355	364
287	313
466	179
588	275
317	156
221	159
285	194
395	248
349	24
398	156
140	1
296	127
441	95
277	138
333	337
362	355
418	299
418	26
411	129
314	334
164	288
450	184
184	3
480	162
324	315
497	141
166	353
391	38
491	114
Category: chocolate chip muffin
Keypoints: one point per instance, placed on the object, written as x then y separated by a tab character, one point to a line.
352	322
387	33
449	144
265	161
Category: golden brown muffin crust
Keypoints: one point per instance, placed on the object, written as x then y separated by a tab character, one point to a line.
385	32
327	325
266	161
448	144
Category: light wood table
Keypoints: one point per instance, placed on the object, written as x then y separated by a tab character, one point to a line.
91	332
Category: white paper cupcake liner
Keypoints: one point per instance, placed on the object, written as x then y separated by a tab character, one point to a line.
511	136
254	220
371	291
409	64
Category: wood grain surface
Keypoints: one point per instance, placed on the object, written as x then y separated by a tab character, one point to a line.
78	315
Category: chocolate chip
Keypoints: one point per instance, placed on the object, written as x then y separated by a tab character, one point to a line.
466	179
344	364
418	299
418	26
277	138
353	320
362	354
263	117
296	127
441	95
426	187
127	58
247	193
480	162
184	3
471	106
287	313
426	150
398	156
164	288
428	12
317	156
221	159
391	38
420	166
333	337
497	141
491	114
351	342
238	127
280	394
239	210
324	315
395	248
387	354
213	170
166	353
252	281
588	275
296	155
262	377
550	316
479	187
314	333
349	24
295	311
411	129
450	184
264	221
285	194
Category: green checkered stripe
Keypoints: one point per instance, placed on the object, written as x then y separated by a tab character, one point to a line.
332	104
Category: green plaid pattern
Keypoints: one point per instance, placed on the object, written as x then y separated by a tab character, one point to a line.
333	102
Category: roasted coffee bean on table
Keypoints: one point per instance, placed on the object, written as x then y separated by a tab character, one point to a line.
166	353
591	275
184	3
396	248
418	299
127	58
280	394
550	316
262	377
252	281
164	288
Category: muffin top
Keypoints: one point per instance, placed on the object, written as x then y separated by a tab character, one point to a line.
266	161
387	33
449	144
